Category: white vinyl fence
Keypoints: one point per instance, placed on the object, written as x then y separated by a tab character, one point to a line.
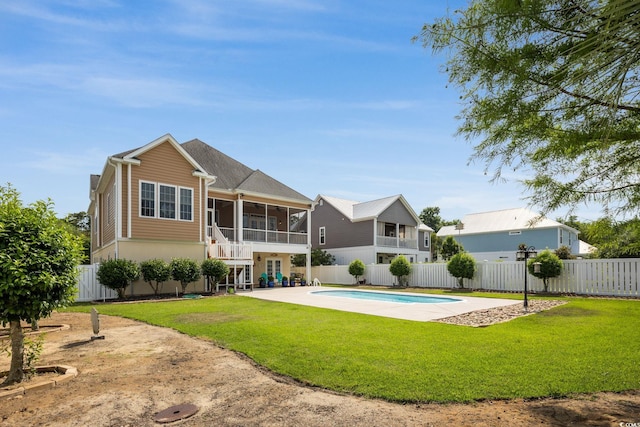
89	289
605	277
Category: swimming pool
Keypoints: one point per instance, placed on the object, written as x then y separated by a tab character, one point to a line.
387	296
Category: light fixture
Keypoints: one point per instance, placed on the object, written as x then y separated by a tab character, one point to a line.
523	254
258	258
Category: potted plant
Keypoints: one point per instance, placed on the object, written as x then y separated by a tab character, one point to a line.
285	281
270	281
303	282
262	283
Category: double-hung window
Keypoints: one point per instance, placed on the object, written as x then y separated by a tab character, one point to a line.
147	199
166	201
186	204
322	231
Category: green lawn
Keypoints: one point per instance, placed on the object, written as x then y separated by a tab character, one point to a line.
587	345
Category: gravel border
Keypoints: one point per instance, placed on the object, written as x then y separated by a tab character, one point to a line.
491	316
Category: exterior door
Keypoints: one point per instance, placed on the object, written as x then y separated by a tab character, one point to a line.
274	266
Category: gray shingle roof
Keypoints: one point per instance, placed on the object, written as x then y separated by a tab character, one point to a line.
235	176
359	211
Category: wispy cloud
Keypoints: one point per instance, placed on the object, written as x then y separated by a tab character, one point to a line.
39	12
60	163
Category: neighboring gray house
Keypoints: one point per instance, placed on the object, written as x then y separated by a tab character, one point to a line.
496	235
374	232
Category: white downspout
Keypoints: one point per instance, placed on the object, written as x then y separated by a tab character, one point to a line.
308	263
129	201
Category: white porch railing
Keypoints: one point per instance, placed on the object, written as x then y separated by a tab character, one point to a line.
396	242
230	251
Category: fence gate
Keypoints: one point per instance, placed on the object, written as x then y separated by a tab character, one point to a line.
89	289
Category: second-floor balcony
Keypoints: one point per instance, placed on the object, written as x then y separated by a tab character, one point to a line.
266	236
396	242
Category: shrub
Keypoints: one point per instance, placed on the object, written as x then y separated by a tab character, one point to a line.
400	268
117	274
550	266
462	266
450	247
155	272
564	252
356	269
185	271
214	270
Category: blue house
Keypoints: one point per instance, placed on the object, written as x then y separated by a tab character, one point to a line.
496	235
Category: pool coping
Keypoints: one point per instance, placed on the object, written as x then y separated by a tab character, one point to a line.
406	311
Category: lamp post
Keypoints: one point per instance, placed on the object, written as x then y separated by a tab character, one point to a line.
523	254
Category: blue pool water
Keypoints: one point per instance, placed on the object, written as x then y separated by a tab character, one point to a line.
387	296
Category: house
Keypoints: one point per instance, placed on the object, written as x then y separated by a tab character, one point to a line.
166	200
374	232
496	235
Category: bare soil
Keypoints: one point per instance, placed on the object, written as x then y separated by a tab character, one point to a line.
139	370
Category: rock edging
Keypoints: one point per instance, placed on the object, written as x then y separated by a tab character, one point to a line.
66	374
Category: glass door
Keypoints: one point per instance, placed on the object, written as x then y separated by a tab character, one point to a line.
274	266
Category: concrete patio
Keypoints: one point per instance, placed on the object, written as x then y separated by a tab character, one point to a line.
413	311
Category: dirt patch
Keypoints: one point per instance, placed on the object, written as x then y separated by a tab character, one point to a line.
139	370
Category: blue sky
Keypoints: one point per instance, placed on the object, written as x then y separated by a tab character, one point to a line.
328	96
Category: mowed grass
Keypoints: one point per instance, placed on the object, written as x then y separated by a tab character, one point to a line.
587	345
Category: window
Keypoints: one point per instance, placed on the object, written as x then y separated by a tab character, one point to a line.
166	201
515	233
109	209
186	204
147	199
427	240
322	235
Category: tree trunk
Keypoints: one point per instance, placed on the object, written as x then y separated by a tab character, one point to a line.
16	371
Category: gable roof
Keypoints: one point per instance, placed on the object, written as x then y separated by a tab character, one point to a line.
236	177
502	220
362	211
223	172
132	155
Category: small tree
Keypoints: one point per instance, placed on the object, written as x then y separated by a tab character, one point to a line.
318	257
550	266
214	270
185	271
356	269
400	268
462	266
38	269
564	252
450	247
155	272
117	274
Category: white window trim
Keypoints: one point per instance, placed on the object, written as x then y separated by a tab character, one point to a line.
180	204
156	201
427	240
322	235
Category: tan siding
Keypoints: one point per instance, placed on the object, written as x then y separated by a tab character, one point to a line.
108	218
164	165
